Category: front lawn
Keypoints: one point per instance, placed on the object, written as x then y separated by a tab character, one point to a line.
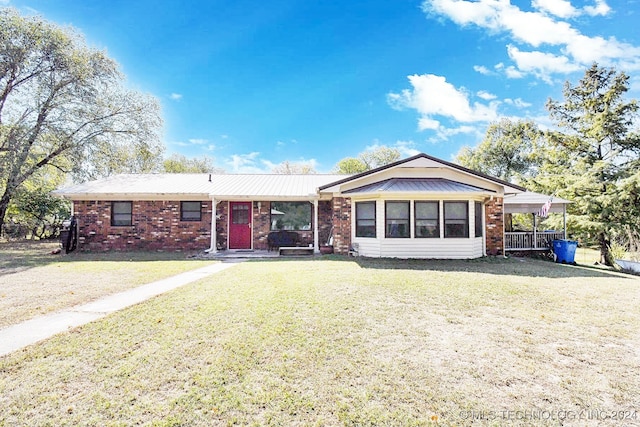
33	281
342	342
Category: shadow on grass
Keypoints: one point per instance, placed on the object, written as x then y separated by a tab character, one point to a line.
23	255
512	266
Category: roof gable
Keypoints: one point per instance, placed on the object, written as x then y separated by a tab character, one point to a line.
423	161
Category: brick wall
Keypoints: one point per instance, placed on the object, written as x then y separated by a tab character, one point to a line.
494	219
341	219
156	226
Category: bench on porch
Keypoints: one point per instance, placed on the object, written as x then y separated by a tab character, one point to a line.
295	250
282	238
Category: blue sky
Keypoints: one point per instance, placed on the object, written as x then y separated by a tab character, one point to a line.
254	83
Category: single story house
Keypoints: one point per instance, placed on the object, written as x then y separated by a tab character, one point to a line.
419	207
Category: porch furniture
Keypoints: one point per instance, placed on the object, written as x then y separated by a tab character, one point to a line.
282	238
295	250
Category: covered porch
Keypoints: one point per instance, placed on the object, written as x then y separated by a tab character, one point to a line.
534	239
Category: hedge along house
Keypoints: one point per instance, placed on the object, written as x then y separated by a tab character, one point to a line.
420	207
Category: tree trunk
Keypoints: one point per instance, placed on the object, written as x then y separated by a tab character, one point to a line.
605	255
4	206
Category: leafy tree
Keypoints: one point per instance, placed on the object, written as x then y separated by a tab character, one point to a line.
369	159
63	105
294	168
597	153
179	163
350	165
510	150
35	212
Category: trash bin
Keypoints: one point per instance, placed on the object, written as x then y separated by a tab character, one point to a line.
64	233
565	251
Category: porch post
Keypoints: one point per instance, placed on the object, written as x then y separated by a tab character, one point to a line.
535	234
316	238
564	221
214	244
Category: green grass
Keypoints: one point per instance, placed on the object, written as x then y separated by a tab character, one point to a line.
33	281
335	341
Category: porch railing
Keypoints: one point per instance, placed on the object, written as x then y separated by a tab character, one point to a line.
524	240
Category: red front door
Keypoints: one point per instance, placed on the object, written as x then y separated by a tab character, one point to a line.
240	225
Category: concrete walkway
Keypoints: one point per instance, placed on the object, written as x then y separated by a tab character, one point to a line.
31	331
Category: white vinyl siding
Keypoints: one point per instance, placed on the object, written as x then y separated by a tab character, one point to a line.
416	247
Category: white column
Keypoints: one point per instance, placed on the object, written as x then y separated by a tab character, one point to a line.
535	232
564	221
316	237
214	244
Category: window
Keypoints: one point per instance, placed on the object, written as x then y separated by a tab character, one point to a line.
190	211
121	213
291	216
397	219
365	219
427	219
456	219
478	218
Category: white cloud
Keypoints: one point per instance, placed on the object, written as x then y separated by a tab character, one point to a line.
539	29
198	141
601	8
540	64
482	69
432	95
518	102
176	96
559	8
486	95
244	163
407	148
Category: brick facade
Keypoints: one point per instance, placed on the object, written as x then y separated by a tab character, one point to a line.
341	220
156	225
494	220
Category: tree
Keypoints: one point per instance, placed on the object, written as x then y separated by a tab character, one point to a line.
509	150
597	152
294	168
63	105
350	165
369	159
179	163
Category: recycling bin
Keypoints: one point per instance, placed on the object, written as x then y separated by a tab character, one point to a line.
565	251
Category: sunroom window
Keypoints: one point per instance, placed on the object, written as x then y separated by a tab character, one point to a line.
456	219
365	219
478	218
397	219
427	219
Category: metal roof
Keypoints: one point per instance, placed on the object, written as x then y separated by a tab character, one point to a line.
415	185
531	202
269	185
161	183
222	185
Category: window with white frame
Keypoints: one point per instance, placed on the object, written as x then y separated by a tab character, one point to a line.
477	206
365	219
121	214
427	219
397	219
190	211
456	219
